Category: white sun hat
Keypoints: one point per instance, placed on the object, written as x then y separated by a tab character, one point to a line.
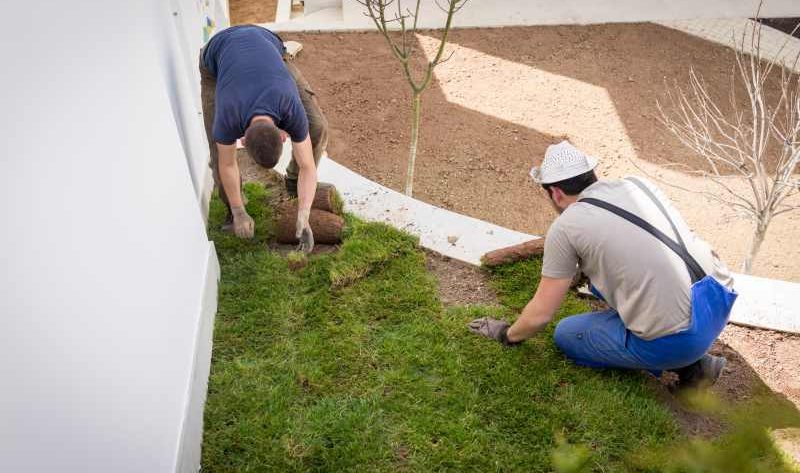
562	161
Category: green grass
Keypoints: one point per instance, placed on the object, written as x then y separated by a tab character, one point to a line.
352	364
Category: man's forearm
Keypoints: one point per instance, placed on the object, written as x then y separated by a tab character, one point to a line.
307	180
231	182
527	325
306	187
540	310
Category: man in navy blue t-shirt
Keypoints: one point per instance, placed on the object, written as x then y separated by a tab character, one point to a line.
250	91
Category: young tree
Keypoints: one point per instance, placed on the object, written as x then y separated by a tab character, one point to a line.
398	26
757	140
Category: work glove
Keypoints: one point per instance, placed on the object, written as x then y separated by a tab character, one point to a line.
492	328
304	233
243	224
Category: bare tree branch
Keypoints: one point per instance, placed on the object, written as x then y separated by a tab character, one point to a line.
757	140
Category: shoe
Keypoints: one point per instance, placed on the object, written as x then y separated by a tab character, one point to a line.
702	373
291	187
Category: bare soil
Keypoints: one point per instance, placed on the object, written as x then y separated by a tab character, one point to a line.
252	11
507	94
775	356
460	283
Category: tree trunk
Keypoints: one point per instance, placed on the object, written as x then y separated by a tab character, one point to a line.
412	157
327	227
328	199
511	254
759	232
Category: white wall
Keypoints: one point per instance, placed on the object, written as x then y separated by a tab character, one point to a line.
108	279
185	26
537	12
311	6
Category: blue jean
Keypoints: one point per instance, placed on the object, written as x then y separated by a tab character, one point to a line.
600	339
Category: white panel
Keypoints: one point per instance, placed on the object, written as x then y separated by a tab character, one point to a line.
103	251
766	303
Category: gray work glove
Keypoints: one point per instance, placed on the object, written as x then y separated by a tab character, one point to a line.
304	233
492	328
243	224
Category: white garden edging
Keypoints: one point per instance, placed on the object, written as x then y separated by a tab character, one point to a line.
764	303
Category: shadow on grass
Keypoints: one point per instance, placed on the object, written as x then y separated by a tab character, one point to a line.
352	364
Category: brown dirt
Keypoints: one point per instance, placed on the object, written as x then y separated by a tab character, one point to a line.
252	11
460	283
775	356
507	94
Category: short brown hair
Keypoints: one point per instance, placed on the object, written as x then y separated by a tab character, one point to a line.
263	142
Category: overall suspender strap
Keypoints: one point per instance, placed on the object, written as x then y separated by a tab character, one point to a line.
660	206
696	272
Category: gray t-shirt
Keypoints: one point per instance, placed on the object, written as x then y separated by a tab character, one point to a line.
638	275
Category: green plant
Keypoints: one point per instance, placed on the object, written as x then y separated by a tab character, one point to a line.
296	260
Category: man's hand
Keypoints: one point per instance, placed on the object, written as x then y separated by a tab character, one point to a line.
243	224
491	328
304	233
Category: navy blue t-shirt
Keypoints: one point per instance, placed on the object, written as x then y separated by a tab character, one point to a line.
252	79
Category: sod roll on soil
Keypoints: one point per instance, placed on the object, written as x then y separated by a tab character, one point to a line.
327	226
328	199
511	254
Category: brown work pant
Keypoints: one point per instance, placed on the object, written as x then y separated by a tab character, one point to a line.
317	123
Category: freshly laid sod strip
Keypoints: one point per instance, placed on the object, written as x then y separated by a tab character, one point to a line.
352	364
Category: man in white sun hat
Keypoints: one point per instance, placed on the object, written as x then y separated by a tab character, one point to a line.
669	295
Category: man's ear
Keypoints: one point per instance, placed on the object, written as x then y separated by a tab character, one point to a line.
556	194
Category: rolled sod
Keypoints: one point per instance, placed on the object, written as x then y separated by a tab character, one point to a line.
328	199
514	253
327	226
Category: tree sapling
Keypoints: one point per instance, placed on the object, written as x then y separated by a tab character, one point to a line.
401	42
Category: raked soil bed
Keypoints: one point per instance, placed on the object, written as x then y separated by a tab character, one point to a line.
507	94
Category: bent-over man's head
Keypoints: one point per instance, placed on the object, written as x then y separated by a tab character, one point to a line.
565	173
263	141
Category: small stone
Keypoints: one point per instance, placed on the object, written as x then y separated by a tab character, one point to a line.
452	239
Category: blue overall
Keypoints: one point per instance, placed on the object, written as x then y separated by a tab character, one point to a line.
600	339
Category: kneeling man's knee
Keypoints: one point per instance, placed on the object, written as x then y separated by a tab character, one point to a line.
566	335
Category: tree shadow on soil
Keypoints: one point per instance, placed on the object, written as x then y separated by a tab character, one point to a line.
634	63
464	156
